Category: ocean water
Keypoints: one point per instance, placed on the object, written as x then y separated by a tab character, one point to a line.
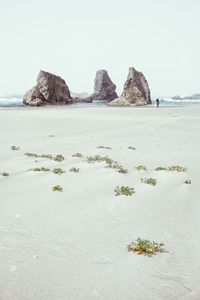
12	102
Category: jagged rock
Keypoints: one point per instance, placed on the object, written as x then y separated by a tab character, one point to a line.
34	97
177	97
104	88
50	89
136	91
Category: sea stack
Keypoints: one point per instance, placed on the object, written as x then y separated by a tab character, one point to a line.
50	89
104	88
136	90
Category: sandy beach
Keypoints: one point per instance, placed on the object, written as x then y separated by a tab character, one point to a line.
72	245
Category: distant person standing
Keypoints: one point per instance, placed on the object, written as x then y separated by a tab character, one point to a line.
157	102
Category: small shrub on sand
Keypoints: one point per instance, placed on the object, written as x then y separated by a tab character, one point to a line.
57	188
177	169
99	158
58	157
58	171
160	169
188	181
30	154
75	170
121	169
124	190
4	174
42	169
104	147
77	155
141	168
150	181
131	148
146	247
15	148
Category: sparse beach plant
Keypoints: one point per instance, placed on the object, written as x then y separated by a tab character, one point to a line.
75	170
77	155
104	147
57	188
151	181
188	181
146	247
124	190
131	148
58	171
177	169
15	148
121	169
4	174
161	169
58	157
141	168
42	169
99	158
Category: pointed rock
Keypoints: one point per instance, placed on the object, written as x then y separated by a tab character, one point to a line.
136	91
104	88
50	89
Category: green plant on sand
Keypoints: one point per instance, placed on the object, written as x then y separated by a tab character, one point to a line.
75	170
77	155
57	188
188	181
4	174
151	181
141	168
58	157
58	171
177	169
124	190
146	247
160	169
15	148
42	169
104	147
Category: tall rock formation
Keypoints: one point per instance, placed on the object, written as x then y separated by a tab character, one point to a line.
104	88
136	91
50	89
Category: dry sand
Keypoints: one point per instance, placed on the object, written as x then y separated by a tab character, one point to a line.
73	245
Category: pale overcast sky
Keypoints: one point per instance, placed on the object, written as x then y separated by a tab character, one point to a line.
74	38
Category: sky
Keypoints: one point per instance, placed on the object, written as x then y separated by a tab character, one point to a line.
75	38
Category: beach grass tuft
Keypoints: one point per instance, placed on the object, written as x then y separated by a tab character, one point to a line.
42	169
4	174
104	147
188	181
161	169
141	168
75	170
57	188
58	157
124	190
15	148
151	181
131	148
177	169
58	171
77	155
146	247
